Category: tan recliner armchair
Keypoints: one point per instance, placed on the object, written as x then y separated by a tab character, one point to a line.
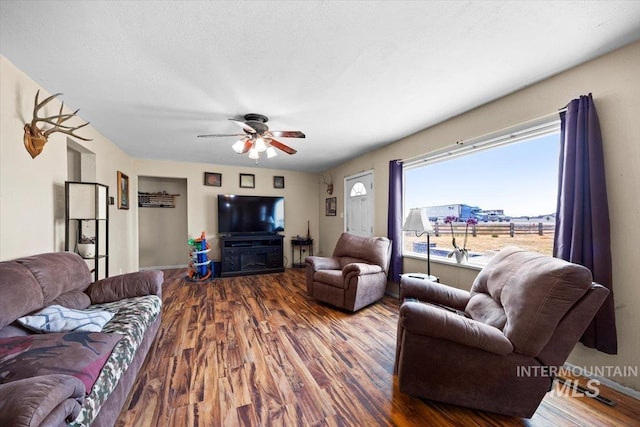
498	347
355	276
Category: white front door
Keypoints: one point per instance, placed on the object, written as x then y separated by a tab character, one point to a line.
359	204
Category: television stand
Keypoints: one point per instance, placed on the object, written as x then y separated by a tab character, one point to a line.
251	254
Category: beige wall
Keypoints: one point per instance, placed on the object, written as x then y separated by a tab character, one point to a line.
613	80
162	232
32	190
300	193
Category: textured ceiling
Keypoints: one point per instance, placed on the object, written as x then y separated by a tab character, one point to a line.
352	75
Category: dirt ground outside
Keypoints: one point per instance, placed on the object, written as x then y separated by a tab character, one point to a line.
485	244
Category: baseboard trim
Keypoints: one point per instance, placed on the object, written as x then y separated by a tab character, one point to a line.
628	391
164	267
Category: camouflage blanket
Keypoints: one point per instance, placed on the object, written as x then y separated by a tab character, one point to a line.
133	316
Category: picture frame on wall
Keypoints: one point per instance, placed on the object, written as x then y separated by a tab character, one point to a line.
213	179
123	191
331	206
247	180
278	182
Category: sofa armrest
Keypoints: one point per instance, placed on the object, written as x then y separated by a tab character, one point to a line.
359	269
436	322
128	285
48	400
438	293
322	263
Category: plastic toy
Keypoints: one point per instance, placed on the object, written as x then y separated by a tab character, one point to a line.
200	267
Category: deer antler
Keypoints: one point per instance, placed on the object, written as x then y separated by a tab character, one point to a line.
328	184
35	138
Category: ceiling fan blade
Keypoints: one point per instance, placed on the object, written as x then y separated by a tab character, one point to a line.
280	146
217	135
244	126
247	146
288	134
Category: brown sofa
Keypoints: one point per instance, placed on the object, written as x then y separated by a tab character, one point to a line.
498	347
355	276
43	379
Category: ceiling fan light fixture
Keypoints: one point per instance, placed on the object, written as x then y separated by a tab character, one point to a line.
260	145
258	138
238	147
253	154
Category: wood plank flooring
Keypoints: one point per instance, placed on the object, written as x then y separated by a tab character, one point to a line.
256	351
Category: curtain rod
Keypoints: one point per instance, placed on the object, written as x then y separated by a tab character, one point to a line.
489	134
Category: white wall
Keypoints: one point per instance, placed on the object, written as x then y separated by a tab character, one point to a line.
613	80
300	193
32	190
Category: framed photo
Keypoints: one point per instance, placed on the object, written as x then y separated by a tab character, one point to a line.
330	206
278	182
123	191
247	180
213	179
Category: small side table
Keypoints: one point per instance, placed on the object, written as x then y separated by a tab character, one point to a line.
422	276
301	244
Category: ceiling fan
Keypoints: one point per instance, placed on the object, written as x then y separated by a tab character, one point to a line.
257	137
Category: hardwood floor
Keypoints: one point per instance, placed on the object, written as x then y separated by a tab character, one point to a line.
256	351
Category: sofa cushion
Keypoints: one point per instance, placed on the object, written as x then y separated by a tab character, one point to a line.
57	273
133	317
330	277
14	330
45	400
482	308
57	318
73	299
374	250
81	354
21	293
534	290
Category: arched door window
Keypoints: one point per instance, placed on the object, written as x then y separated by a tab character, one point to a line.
358	189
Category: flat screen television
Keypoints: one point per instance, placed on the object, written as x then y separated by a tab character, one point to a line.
250	214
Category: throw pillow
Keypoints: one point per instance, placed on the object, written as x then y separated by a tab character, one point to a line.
57	318
81	354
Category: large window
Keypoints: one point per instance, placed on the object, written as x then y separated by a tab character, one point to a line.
507	183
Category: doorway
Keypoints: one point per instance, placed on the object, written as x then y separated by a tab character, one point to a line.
359	204
162	231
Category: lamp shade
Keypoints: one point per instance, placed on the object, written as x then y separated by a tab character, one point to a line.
418	221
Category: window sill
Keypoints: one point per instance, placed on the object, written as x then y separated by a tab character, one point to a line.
443	260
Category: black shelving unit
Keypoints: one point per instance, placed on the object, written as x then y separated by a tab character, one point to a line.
87	209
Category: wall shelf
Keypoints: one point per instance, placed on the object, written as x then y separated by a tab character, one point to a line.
157	200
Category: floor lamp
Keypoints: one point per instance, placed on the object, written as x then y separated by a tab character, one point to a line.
418	222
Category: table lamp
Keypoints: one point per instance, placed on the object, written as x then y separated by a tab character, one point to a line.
418	222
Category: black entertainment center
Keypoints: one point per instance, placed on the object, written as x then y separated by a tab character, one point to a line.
250	239
251	254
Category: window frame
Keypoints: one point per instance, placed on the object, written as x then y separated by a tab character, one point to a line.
537	128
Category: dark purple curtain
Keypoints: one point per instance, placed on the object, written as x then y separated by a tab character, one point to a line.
394	221
582	218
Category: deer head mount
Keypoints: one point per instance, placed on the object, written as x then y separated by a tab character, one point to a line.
328	184
35	138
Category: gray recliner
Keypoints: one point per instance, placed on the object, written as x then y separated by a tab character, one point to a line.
355	276
498	347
